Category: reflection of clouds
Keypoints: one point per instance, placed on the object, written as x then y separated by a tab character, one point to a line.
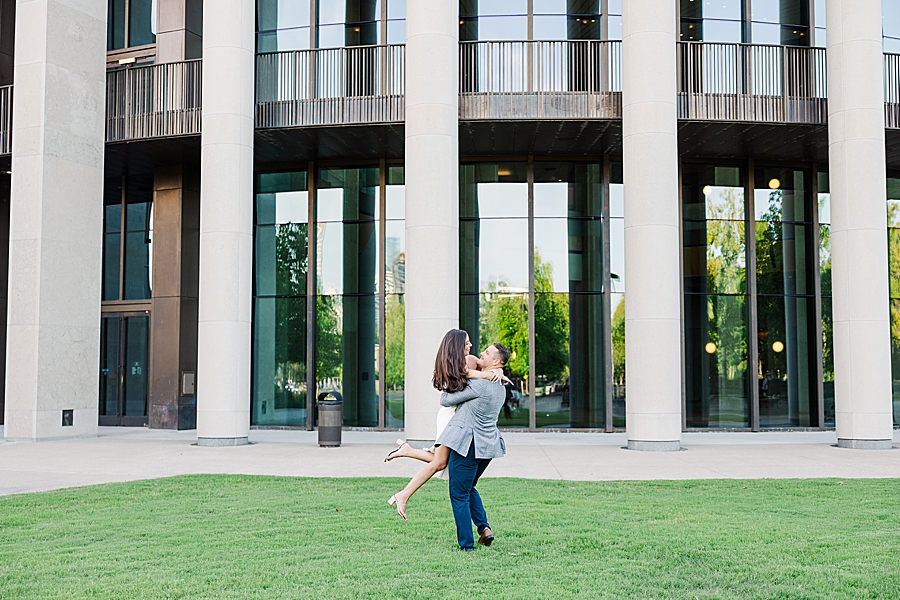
503	252
502	200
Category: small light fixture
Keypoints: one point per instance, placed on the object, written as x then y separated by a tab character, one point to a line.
503	172
710	348
706	190
774	183
778	347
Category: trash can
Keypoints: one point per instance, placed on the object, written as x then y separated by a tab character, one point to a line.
330	419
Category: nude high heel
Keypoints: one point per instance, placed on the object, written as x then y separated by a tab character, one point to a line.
401	506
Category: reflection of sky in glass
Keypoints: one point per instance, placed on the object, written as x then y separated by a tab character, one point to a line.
722	9
820	12
330	204
551	199
291	207
765	33
616	200
891	22
550	7
330	251
614	301
502	28
394	248
502	7
550	28
503	254
502	200
722	31
395	202
765	10
784	205
824	208
551	245
617	254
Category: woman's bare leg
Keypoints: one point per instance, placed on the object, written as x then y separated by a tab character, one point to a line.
404	450
441	456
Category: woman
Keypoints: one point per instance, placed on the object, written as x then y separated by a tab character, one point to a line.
453	366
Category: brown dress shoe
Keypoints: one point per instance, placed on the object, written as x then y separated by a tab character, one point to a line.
486	537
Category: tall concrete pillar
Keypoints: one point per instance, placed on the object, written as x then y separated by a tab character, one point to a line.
432	200
56	230
652	303
859	267
226	223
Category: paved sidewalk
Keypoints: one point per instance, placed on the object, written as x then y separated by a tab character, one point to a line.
126	454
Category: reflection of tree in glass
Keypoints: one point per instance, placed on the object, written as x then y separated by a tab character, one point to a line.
328	337
504	319
725	263
825	287
290	316
770	233
551	324
618	343
395	330
894	274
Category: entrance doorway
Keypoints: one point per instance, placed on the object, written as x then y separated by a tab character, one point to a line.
124	368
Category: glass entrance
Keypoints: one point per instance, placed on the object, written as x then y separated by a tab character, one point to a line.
124	362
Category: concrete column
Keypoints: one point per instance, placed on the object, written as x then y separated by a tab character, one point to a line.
859	267
179	33
53	330
226	223
652	247
432	200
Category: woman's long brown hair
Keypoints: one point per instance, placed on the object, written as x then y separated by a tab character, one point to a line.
450	362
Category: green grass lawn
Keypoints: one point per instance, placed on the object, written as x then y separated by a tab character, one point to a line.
267	537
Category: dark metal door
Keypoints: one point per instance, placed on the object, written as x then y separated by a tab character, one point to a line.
124	369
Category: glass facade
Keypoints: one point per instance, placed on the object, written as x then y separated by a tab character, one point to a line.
497	20
780	22
130	23
532	275
893	217
286	24
825	294
890	10
127	238
353	303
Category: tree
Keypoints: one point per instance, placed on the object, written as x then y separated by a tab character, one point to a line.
395	340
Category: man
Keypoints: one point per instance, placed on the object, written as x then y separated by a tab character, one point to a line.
473	438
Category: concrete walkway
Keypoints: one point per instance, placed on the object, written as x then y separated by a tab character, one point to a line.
126	454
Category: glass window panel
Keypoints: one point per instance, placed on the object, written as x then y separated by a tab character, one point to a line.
570	189
291	39
494	190
550	7
137	364
138	216
892	45
551	255
281	260
142	23
109	366
115	33
783	258
820	13
721	9
765	33
396	32
617	329
111	246
691	31
795	12
281	14
394	257
348	194
551	366
585	255
825	259
714	257
794	35
394	357
584	390
781	195
615	7
396	9
890	9
894	262
787	369
362	34
286	181
330	36
502	7
345	355
828	361
715	331
893	202
502	200
616	200
722	31
503	255
138	265
279	362
503	28
395	202
503	318
614	25
330	11
550	27
347	260
267	42
824	208
822	39
617	255
583	27
551	199
767	11
329	259
712	192
895	358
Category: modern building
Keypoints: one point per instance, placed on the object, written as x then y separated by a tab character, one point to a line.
677	214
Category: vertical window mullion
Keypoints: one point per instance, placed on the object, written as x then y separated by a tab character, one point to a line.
753	316
380	287
607	303
311	275
123	236
817	289
531	354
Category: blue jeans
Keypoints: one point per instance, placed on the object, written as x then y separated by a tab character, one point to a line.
467	507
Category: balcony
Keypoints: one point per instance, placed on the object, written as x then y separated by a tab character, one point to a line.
155	101
751	83
334	86
554	80
892	91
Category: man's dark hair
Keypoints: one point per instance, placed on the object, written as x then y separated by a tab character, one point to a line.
503	351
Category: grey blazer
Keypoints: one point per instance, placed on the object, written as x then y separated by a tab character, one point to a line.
477	409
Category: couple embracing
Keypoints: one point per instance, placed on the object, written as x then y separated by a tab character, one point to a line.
467	436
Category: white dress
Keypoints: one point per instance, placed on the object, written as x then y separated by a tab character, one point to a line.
443	417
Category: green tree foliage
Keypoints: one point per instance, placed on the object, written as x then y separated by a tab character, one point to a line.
618	343
328	337
551	324
290	313
395	340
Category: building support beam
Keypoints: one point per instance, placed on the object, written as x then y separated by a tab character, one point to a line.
857	173
53	330
432	200
226	223
653	341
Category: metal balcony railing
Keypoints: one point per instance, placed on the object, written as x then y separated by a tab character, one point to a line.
333	86
579	79
892	91
153	101
750	82
6	119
